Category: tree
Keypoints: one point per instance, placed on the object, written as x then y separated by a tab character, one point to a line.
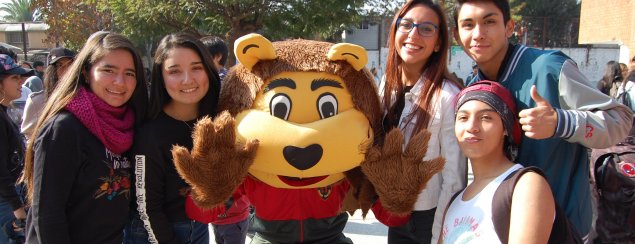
72	21
19	11
278	19
145	21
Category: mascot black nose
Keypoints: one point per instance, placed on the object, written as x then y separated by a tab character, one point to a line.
303	158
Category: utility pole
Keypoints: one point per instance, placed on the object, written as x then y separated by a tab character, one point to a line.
24	44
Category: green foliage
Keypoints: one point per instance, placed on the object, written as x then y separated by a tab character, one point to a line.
19	11
72	21
312	19
146	21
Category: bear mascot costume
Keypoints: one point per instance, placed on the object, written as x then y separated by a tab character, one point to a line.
300	127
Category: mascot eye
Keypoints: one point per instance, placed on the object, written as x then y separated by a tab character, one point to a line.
280	106
327	105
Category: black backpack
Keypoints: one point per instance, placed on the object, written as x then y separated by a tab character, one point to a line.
562	231
613	175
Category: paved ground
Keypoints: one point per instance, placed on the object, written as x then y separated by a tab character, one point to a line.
365	231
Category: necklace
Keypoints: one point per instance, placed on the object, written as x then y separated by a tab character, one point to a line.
187	124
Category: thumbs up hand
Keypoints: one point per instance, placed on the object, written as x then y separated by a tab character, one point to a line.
539	122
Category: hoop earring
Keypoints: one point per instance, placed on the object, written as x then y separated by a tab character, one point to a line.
1	96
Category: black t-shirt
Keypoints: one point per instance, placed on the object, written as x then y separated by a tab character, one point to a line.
160	198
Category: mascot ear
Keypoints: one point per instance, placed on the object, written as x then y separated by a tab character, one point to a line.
353	54
252	48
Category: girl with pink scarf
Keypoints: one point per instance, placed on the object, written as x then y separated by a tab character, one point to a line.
77	169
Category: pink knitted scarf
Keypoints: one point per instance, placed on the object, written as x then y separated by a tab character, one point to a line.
113	126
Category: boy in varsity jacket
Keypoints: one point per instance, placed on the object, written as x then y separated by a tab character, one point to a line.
302	117
561	112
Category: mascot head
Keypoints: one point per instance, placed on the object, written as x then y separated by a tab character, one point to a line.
312	105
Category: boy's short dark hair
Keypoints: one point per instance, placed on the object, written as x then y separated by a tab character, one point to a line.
215	45
38	63
502	5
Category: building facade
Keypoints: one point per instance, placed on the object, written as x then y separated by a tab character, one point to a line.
609	22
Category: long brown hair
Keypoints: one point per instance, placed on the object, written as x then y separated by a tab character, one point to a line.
434	71
97	46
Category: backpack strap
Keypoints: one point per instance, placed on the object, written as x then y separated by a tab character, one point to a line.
561	232
502	202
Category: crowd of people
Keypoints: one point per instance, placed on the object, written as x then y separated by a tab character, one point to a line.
90	162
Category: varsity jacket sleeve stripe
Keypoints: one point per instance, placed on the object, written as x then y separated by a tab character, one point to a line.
587	116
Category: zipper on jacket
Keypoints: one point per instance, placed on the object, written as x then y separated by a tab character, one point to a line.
301	231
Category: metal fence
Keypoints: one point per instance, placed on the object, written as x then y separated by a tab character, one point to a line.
548	31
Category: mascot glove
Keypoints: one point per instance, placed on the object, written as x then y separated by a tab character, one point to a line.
400	175
217	164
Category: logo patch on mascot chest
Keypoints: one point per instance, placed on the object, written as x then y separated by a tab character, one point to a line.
325	192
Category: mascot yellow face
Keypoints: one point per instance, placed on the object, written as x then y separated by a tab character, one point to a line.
306	119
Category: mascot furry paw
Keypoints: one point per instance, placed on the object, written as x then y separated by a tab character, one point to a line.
301	116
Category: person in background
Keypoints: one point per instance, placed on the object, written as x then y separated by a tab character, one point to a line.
611	80
219	51
17	105
77	169
417	93
34	82
624	69
12	212
39	69
26	65
59	59
375	74
561	112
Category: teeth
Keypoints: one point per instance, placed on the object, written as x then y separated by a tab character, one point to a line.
189	90
410	46
115	92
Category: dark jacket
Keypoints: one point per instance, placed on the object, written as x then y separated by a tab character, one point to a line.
81	189
11	159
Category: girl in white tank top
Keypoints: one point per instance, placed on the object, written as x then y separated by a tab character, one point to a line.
488	134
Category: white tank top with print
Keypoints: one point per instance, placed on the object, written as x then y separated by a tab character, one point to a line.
471	221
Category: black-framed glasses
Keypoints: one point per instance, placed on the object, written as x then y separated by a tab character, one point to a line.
425	29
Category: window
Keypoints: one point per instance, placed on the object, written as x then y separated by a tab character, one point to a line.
15	38
364	25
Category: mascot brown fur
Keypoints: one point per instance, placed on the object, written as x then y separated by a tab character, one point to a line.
229	155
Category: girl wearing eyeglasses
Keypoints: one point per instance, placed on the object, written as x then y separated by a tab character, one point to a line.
417	93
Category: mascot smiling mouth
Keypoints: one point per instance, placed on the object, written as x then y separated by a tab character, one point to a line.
299	182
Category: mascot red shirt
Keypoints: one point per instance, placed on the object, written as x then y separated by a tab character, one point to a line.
299	119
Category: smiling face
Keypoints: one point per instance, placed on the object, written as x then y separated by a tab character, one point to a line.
112	78
317	132
10	88
185	78
483	33
412	47
479	130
